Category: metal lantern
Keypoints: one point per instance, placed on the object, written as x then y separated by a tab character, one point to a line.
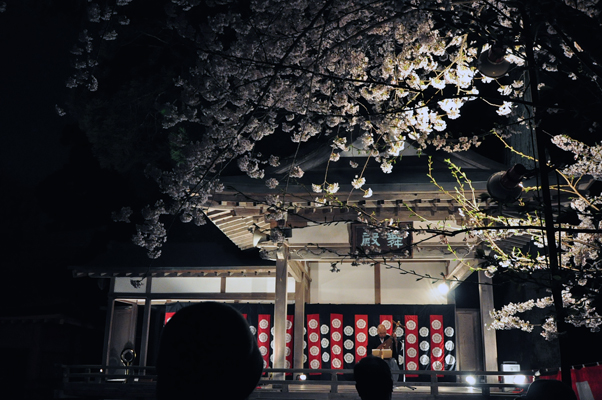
506	186
492	62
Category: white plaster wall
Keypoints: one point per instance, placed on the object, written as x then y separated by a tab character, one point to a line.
204	285
404	289
123	285
352	285
186	285
256	285
355	285
335	233
449	226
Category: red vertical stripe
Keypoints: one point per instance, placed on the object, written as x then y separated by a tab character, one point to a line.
587	378
361	337
593	376
387	321
289	342
168	316
263	337
437	343
336	341
411	345
313	341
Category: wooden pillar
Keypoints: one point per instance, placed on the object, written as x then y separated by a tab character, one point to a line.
280	310
299	323
145	324
490	362
307	289
109	324
377	295
222	285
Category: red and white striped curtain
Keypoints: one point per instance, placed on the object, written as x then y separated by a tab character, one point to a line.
387	321
168	316
263	337
313	341
587	382
289	341
361	337
437	345
411	345
336	341
338	338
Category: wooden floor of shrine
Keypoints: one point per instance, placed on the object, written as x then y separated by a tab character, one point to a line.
322	392
93	382
146	391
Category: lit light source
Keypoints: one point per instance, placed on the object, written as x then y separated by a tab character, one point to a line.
443	288
301	377
471	380
520	379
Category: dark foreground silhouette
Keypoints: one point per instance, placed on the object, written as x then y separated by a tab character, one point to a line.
207	351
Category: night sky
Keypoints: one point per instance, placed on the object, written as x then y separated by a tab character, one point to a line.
52	209
57	199
36	148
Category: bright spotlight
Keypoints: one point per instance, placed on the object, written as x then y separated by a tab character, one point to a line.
471	380
302	377
443	288
520	379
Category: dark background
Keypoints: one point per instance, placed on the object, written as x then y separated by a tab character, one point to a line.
55	207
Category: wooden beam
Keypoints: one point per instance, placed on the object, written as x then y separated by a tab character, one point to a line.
145	324
398	190
426	253
377	292
307	283
220	215
460	270
249	212
238	233
235	222
296	269
264	270
403	214
280	310
489	337
298	325
202	296
109	324
236	226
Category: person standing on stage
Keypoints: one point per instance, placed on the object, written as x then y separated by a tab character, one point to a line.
382	340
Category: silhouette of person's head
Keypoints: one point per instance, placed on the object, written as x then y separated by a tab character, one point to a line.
207	351
543	389
373	379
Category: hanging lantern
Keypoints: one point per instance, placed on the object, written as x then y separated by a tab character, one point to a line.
505	186
492	62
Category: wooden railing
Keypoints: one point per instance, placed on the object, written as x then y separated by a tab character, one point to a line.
104	374
433	382
141	380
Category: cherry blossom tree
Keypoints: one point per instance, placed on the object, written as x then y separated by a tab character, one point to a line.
574	283
254	84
